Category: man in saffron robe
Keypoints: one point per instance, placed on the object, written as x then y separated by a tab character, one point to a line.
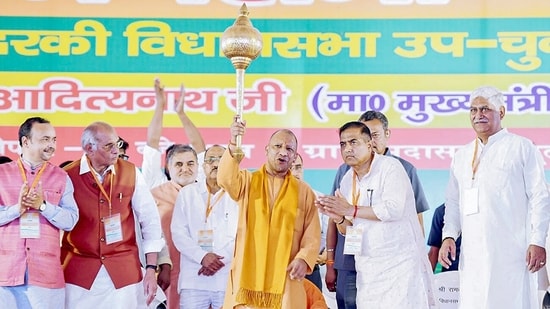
278	234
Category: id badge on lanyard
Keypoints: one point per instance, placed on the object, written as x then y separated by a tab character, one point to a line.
29	225
29	222
113	229
206	240
353	240
470	201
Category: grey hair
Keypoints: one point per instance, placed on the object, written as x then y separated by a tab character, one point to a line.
88	138
89	134
490	93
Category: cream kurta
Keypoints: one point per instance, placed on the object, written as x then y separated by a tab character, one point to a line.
305	243
513	212
393	269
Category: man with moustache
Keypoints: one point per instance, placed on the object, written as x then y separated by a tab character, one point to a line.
100	255
204	225
497	200
36	202
342	277
278	234
376	204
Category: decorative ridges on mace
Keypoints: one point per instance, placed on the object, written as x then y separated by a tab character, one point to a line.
241	43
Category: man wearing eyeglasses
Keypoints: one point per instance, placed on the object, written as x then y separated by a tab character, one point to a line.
100	255
498	201
122	149
204	225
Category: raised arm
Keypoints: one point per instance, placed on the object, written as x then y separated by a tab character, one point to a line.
230	177
191	131
154	130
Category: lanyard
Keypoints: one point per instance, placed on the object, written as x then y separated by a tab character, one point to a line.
355	194
475	160
100	185
24	176
210	206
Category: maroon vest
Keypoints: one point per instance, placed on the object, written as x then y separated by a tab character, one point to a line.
84	249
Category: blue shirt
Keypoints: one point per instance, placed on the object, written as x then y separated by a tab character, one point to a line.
436	233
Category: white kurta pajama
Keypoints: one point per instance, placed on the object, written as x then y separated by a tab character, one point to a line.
393	269
513	212
188	219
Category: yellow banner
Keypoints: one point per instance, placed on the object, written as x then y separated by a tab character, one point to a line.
359	9
271	100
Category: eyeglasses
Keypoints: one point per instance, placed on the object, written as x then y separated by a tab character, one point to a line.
211	160
124	157
111	146
484	110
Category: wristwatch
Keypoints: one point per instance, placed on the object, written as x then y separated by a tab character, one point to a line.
42	206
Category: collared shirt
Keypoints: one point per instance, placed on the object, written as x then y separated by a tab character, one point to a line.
144	208
188	219
508	210
323	220
522	176
347	262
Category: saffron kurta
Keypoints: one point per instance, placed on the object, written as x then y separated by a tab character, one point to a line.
393	270
165	195
513	212
305	240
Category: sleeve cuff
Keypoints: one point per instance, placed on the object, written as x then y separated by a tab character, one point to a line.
538	240
154	245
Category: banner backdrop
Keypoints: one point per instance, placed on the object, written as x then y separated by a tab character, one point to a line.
324	62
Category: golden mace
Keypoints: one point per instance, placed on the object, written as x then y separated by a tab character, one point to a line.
241	43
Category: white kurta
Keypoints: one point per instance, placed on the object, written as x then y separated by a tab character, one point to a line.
188	219
393	269
513	212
